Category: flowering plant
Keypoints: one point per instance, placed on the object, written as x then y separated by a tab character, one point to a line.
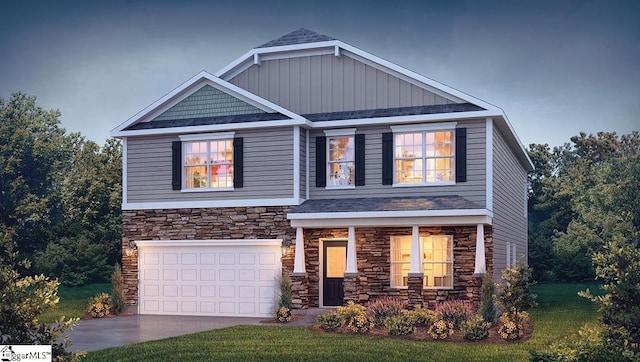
440	329
361	323
99	305
512	326
283	315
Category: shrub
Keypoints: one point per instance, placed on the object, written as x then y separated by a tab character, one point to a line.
421	316
476	328
455	311
399	325
361	323
118	300
99	305
440	329
515	291
329	321
512	326
382	308
349	311
283	315
487	306
285	292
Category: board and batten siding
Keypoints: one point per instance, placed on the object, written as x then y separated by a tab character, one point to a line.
268	168
303	163
509	204
326	83
474	189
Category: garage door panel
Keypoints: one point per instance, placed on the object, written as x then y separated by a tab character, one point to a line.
192	279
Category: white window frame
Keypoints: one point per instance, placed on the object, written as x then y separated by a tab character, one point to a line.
397	239
340	133
208	138
423	129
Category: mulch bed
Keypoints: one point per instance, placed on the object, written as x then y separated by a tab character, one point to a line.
421	335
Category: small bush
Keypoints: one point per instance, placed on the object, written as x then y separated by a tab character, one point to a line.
455	311
349	311
382	308
99	306
399	325
421	317
361	323
285	292
283	315
440	329
329	321
512	326
118	300
515	293
487	306
476	328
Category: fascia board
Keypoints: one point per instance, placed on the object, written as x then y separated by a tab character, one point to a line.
438	117
512	138
211	242
389	214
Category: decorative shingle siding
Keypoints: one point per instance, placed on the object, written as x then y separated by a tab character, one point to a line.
207	102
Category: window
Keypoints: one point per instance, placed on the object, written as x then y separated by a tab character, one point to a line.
437	260
208	164
341	161
425	157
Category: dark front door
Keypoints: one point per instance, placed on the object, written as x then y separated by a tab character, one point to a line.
335	263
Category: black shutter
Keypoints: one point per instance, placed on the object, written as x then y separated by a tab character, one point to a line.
359	160
387	158
238	162
176	165
321	161
461	155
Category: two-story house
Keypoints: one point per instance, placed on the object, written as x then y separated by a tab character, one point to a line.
307	155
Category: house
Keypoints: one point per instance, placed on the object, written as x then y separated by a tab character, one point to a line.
307	155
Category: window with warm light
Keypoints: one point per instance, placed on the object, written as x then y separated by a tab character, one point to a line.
437	260
341	161
208	164
424	158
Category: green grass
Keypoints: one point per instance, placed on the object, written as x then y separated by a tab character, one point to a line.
73	301
561	312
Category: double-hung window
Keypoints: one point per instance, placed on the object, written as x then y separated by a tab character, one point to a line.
208	163
437	260
340	158
424	156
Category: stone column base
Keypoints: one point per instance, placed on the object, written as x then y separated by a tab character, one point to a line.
300	290
350	286
415	282
474	289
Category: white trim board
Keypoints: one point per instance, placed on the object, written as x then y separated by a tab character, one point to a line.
210	203
210	242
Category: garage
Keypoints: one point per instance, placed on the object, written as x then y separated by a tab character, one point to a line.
209	277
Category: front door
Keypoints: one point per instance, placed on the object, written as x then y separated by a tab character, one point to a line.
335	263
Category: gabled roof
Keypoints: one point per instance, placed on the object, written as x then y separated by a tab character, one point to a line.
224	103
300	36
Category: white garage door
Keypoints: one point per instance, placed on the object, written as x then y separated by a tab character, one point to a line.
209	277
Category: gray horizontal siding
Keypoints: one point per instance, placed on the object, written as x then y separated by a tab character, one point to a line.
326	83
268	168
303	163
474	189
509	204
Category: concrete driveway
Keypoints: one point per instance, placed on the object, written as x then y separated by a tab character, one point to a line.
101	333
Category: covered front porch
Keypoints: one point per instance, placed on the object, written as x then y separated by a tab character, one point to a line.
409	248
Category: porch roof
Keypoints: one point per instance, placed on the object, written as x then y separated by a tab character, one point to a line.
450	202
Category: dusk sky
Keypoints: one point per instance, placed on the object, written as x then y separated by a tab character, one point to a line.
555	67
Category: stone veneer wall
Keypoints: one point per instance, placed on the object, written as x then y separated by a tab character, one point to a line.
374	270
200	224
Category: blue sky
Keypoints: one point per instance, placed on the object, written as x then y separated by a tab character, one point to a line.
555	67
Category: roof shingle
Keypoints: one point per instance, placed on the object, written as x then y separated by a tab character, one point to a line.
450	202
300	36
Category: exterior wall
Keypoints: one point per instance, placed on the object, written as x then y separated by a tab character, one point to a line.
373	252
199	224
474	189
326	83
509	203
268	168
303	163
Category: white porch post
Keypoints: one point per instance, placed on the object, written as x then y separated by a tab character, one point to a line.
298	263
352	266
416	255
480	265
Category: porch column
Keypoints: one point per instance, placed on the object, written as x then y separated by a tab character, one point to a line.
480	263
415	279
298	263
352	265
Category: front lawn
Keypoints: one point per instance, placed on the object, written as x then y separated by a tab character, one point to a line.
561	312
73	301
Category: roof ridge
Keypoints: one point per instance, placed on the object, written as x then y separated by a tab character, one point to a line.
299	36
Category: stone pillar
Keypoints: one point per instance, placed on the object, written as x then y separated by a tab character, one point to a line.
300	290
415	282
350	286
474	290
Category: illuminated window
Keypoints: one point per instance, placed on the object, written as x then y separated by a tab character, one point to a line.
423	158
340	161
208	164
437	260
